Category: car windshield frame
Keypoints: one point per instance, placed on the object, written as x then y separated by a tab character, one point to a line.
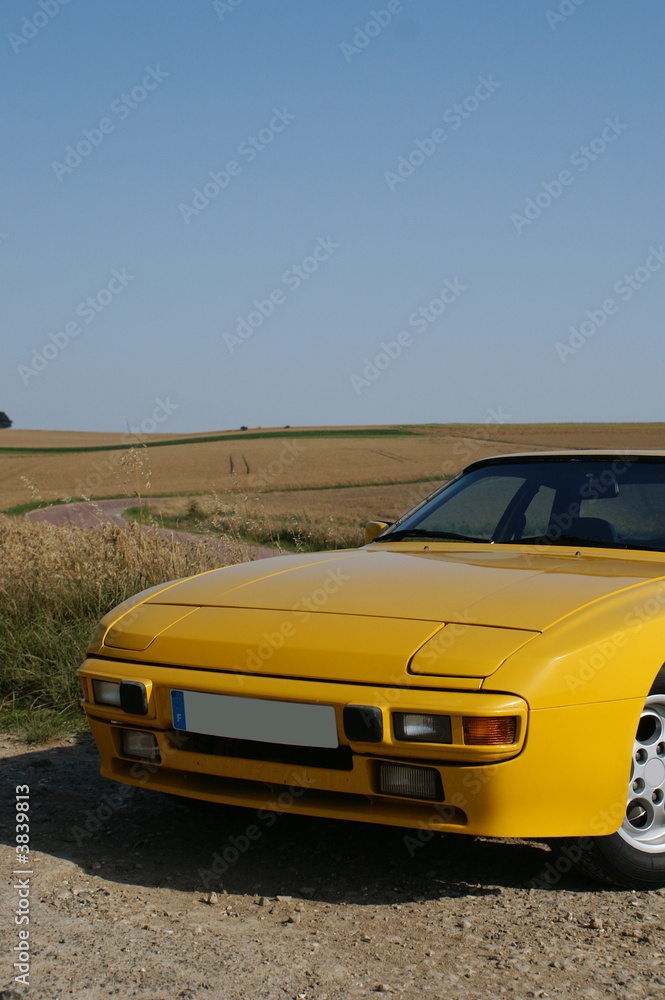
588	491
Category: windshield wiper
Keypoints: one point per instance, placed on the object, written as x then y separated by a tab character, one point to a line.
397	536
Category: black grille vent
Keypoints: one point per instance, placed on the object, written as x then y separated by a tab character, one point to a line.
338	759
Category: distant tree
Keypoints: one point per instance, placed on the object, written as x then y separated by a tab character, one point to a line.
4	420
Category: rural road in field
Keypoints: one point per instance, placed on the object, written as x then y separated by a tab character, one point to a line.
95	513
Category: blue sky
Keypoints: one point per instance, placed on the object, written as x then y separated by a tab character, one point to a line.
331	212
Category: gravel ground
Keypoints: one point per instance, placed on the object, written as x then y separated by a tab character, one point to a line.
124	903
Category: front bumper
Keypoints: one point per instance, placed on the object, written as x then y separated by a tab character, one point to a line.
536	787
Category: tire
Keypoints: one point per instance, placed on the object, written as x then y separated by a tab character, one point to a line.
634	856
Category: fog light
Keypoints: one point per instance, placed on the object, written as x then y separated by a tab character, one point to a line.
489	732
143	746
412	782
422	728
133	698
363	723
106	693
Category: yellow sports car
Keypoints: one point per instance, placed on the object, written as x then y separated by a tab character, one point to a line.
489	664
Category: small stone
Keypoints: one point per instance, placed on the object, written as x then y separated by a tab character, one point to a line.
264	901
212	898
384	988
284	899
365	937
596	923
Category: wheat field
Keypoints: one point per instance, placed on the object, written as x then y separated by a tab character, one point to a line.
280	461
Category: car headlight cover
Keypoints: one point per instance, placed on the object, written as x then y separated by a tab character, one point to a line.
419	728
411	782
141	745
106	693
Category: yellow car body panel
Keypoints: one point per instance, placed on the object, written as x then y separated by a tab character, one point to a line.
289	630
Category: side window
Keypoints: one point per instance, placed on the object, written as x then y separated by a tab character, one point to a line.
538	512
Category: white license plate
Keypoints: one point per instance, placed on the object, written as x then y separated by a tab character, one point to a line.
288	722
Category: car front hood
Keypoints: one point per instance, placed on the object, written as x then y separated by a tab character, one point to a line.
486	585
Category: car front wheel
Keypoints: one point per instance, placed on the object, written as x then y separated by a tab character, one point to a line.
634	856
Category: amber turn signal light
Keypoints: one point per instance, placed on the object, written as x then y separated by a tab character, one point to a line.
480	731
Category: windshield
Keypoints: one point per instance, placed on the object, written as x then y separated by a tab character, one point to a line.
610	502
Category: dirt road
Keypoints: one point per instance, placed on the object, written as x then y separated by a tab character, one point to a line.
307	909
94	513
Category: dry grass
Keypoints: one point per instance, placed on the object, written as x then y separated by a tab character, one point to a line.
304	520
55	585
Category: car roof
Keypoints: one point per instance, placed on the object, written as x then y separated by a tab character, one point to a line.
632	455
